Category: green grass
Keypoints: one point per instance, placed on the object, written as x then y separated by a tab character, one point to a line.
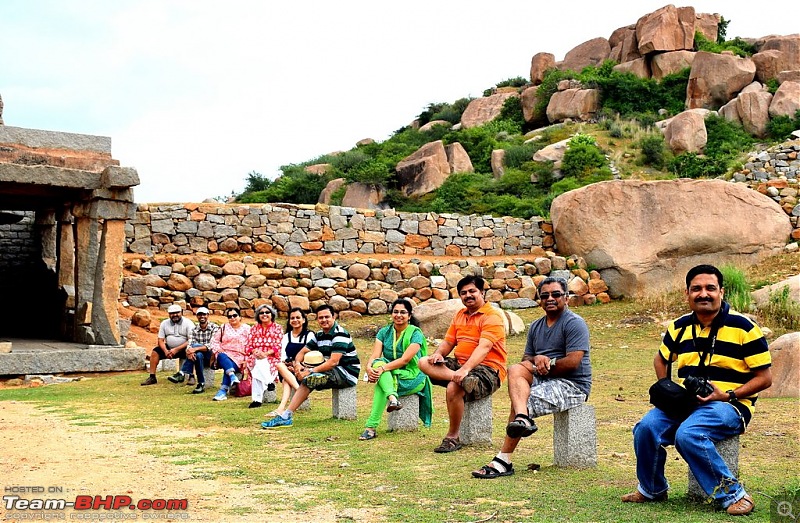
397	477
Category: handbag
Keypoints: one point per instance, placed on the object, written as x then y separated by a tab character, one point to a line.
674	400
244	388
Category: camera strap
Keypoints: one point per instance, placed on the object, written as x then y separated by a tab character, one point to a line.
707	354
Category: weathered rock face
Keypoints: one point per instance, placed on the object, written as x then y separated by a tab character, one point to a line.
639	67
624	46
776	54
498	163
458	159
579	104
529	101
483	110
667	29
552	153
540	63
363	196
686	132
588	53
708	25
330	188
319	168
425	170
433	123
785	352
786	100
753	108
762	296
644	236
716	78
669	63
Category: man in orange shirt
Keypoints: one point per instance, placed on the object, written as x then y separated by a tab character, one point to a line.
477	338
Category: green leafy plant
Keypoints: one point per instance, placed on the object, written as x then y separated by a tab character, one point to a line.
781	127
782	309
737	46
653	150
582	158
737	290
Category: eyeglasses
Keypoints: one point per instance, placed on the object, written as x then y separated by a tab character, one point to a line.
201	314
265	312
233	316
401	311
555	294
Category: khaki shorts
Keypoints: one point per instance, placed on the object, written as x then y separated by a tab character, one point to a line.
488	380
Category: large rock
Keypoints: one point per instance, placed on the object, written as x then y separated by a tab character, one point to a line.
786	100
552	153
363	196
644	236
667	29
434	318
425	170
540	63
776	54
638	67
592	52
670	63
716	78
458	159
762	296
529	99
785	352
330	188
708	25
579	104
483	110
686	132
753	108
624	47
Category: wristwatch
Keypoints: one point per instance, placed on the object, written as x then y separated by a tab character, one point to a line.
731	395
552	363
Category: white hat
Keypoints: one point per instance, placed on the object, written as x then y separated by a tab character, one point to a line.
313	357
174	308
201	310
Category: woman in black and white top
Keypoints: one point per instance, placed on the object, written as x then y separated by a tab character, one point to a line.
296	337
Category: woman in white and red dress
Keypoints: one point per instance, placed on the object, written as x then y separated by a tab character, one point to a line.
264	355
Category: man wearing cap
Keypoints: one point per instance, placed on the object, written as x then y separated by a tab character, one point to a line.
173	338
198	355
330	362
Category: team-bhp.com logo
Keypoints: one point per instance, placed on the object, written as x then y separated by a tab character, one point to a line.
18	508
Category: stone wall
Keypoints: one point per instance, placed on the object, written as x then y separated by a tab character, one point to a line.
300	230
17	245
353	286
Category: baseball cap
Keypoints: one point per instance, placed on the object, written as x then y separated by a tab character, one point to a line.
174	308
201	310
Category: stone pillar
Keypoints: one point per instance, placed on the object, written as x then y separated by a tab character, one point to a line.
108	276
86	247
66	256
575	437
45	227
729	451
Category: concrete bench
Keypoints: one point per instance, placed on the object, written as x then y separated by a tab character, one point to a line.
476	425
575	437
343	403
729	451
306	405
407	418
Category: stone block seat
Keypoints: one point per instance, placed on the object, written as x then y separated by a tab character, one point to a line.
407	418
476	425
575	437
343	403
729	450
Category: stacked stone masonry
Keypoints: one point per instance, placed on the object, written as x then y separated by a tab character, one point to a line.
301	230
353	287
17	245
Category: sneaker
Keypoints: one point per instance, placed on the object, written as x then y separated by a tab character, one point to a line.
316	379
151	380
177	378
254	405
271	386
277	421
742	507
191	382
221	395
201	388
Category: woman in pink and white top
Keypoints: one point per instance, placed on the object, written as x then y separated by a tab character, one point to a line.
229	347
264	355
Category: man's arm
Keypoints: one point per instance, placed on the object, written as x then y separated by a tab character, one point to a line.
444	348
660	366
760	381
476	358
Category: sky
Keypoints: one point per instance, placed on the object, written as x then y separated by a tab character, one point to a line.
196	94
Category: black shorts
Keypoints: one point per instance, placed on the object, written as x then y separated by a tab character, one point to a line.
162	355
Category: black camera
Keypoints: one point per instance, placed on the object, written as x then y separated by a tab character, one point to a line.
698	386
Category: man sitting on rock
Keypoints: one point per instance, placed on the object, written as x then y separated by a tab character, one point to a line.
477	338
338	369
555	373
198	354
173	338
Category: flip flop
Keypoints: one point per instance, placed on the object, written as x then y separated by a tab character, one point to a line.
368	434
522	427
491	472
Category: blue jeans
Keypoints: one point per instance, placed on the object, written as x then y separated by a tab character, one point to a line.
200	362
694	440
226	363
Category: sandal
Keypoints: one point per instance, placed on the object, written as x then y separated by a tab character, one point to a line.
368	434
393	405
492	470
522	427
448	445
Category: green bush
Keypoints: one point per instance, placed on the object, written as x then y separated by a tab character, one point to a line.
781	127
653	150
459	191
690	165
737	290
371	171
295	186
256	182
548	87
738	46
582	158
511	82
444	111
479	142
516	155
782	310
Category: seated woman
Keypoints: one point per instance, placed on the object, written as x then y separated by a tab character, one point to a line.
393	368
264	355
228	346
296	337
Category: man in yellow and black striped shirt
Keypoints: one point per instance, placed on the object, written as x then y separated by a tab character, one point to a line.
736	361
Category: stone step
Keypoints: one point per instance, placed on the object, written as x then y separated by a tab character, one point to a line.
48	357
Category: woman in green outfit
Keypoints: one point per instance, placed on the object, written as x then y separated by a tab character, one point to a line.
392	366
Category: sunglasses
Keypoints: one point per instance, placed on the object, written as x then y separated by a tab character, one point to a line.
265	312
233	316
554	294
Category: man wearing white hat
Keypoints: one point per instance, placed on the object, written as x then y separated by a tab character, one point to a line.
198	353
173	338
